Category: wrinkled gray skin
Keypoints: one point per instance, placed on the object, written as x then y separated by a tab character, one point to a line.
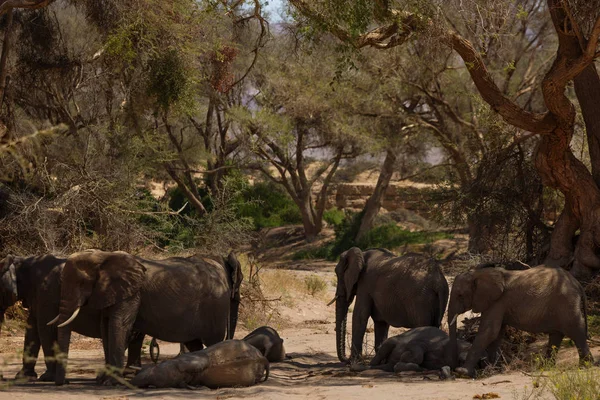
35	281
189	300
226	364
268	342
408	291
424	348
539	300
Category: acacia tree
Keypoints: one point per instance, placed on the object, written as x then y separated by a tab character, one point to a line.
299	133
577	26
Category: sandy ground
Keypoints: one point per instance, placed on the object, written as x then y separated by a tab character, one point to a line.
313	372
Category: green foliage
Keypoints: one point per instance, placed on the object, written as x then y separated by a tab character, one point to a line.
593	325
334	216
314	285
168	78
267	205
566	383
391	236
321	252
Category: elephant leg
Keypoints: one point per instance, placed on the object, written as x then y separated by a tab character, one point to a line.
494	347
388	367
31	349
104	331
381	333
383	354
554	342
134	350
121	317
193	345
489	329
360	319
578	334
48	339
410	360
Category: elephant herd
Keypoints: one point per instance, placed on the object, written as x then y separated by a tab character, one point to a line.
121	298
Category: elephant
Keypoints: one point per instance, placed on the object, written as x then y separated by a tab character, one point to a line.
268	342
541	299
423	348
407	291
192	300
226	364
35	281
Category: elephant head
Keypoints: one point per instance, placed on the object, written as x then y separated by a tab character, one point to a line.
473	290
234	272
348	272
8	284
95	279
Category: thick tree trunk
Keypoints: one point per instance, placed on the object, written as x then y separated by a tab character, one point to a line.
312	225
373	204
556	163
6	46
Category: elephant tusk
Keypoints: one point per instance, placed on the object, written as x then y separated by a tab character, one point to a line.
332	301
67	322
55	320
453	320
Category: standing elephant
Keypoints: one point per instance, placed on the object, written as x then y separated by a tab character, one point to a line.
408	291
540	300
35	281
187	300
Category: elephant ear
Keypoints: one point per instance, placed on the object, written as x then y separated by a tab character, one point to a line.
119	276
234	269
354	265
488	286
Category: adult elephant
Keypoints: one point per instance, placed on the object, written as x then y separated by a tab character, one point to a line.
407	291
541	300
187	300
35	281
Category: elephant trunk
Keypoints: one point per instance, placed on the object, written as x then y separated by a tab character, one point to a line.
341	316
453	322
234	307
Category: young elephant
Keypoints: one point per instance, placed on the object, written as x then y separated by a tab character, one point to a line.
225	364
541	299
424	348
407	291
268	342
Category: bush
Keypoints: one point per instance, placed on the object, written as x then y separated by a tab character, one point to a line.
314	253
334	216
391	236
267	205
314	285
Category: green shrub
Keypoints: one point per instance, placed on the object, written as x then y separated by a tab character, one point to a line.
322	252
334	216
314	284
593	325
391	236
267	205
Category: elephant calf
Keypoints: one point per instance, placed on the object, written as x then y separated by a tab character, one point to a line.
424	348
225	364
540	300
268	342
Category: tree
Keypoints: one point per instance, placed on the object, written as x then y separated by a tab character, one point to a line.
554	159
299	133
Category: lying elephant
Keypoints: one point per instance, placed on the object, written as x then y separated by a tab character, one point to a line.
424	348
268	342
225	364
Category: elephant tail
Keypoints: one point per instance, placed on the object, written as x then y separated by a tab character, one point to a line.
267	367
584	300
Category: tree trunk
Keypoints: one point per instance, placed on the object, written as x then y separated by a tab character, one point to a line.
312	225
557	165
6	46
373	204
